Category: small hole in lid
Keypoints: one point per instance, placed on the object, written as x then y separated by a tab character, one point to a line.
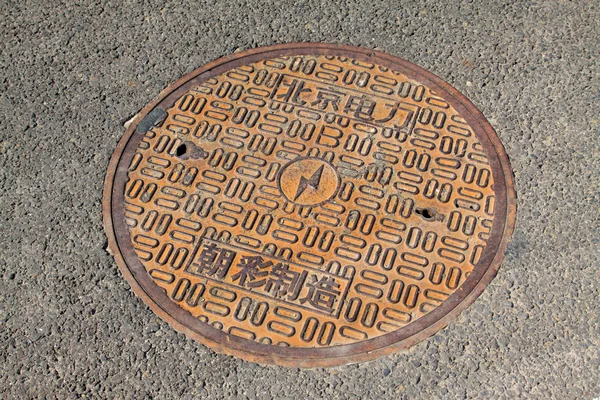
425	213
181	150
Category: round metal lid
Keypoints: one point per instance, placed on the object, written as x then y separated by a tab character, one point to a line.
309	204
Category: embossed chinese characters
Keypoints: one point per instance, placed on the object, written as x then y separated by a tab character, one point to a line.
309	204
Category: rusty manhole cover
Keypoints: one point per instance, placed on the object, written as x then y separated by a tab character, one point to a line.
309	204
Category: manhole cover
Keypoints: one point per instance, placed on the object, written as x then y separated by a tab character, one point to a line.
309	204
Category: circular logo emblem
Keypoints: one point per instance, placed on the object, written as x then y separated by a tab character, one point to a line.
308	181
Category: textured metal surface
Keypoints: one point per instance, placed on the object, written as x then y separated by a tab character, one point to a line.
309	205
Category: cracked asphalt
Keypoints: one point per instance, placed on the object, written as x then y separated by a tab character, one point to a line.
73	72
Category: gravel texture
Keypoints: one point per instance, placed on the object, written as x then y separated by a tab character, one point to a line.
72	74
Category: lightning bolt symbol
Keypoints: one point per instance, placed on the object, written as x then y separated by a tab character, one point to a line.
313	182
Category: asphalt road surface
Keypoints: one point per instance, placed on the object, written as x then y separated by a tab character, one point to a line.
71	75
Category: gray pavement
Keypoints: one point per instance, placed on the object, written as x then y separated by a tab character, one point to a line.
72	73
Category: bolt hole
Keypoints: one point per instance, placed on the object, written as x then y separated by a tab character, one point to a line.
425	213
181	150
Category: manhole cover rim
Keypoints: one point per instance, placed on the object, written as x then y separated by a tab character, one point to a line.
368	349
